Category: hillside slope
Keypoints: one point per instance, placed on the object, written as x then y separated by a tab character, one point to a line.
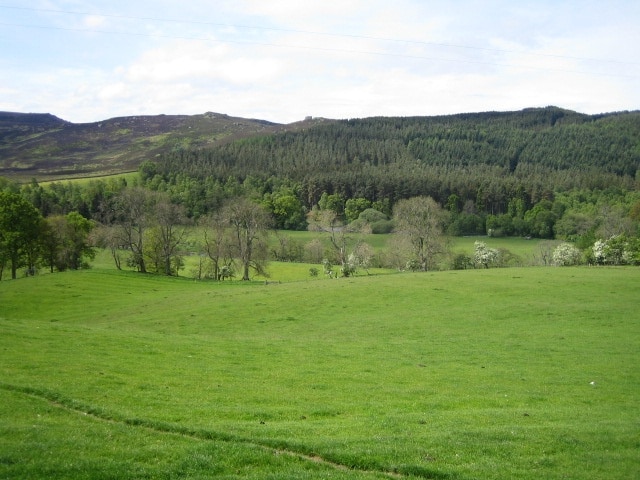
46	147
487	158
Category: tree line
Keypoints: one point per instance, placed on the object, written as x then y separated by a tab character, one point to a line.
143	230
27	240
479	164
543	173
483	163
146	231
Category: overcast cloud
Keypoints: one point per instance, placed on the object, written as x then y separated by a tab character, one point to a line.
283	60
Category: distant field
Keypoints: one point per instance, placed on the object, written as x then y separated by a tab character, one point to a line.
517	245
526	250
524	373
129	177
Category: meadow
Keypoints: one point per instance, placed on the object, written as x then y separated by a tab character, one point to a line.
130	177
520	252
521	373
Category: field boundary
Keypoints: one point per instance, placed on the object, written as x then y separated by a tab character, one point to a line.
60	401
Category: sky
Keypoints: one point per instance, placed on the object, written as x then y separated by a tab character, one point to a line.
284	60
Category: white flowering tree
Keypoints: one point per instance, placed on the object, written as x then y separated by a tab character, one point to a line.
617	250
484	255
599	254
566	254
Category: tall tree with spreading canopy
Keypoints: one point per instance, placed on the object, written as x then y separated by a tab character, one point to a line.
66	243
21	227
420	221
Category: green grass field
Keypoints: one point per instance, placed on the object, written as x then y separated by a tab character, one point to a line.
519	246
129	177
524	252
521	373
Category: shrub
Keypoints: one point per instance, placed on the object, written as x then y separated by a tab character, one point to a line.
485	256
371	216
506	258
382	226
466	224
375	221
462	261
566	254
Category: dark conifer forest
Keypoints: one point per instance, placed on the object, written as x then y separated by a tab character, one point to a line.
482	164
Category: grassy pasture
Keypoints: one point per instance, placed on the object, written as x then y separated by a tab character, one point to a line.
287	271
522	247
129	178
525	250
481	374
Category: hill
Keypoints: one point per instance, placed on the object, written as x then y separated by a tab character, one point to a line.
48	148
550	137
485	158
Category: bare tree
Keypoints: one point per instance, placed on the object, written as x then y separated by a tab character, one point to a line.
109	236
420	220
362	256
398	252
134	215
249	223
171	230
314	251
150	226
613	221
328	221
217	243
544	254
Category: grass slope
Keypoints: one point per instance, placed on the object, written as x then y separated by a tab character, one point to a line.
47	148
487	374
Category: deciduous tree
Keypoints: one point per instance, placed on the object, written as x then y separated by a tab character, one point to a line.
169	233
420	220
217	243
328	221
249	223
20	232
66	241
134	215
483	255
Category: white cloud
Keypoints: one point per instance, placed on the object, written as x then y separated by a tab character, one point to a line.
284	60
196	61
94	21
296	12
113	92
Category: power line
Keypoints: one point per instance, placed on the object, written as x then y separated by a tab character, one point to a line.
323	49
306	32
